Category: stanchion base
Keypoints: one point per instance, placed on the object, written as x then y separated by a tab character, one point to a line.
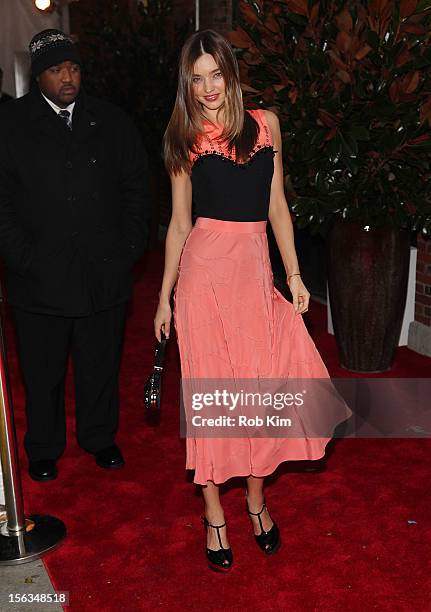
42	534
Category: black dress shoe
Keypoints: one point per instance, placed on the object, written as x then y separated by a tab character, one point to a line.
44	469
109	458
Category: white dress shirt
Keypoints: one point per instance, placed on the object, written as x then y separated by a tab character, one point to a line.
57	109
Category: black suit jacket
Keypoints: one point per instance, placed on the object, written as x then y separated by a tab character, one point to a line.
4	97
74	205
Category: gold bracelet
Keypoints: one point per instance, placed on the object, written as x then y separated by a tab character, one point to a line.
290	275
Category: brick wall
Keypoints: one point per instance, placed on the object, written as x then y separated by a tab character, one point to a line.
216	14
184	8
423	283
79	16
420	329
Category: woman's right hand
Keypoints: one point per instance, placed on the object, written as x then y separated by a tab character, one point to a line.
162	319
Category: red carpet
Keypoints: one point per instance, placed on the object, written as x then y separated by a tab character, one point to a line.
355	536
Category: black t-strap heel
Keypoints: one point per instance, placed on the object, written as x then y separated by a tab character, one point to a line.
268	541
218	560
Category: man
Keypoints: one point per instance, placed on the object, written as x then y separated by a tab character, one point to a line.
73	221
4	97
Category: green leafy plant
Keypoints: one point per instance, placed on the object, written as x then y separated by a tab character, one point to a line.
351	83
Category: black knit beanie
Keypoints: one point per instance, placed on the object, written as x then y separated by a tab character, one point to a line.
49	48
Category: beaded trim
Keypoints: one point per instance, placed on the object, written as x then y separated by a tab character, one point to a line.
216	150
229	158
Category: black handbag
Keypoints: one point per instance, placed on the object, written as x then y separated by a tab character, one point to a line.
152	389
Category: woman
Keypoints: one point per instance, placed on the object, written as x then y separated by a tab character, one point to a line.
230	320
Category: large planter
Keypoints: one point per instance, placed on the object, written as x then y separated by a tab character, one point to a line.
367	281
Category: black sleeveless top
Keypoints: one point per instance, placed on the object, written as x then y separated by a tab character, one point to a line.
229	190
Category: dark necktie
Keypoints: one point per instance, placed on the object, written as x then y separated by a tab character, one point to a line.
65	115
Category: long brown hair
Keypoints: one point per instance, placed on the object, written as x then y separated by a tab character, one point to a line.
185	124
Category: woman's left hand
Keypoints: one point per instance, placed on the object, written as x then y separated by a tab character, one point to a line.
301	297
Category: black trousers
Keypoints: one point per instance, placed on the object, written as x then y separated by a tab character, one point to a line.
44	344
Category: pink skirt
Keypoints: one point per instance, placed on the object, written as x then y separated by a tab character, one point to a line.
231	322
